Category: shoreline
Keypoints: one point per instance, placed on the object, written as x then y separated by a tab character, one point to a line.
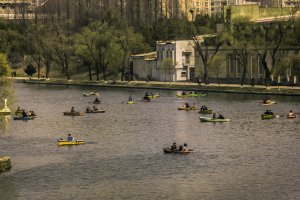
213	88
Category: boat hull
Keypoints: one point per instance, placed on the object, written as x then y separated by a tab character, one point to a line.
267	116
168	150
186	109
208	119
205	112
73	113
65	142
23	118
130	102
96	111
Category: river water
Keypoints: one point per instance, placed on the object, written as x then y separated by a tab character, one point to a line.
247	158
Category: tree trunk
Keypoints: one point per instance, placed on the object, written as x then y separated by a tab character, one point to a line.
123	67
97	71
267	73
90	73
48	65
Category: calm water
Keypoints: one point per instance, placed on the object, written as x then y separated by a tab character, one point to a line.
245	159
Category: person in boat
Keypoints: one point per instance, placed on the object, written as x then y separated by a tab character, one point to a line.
70	138
180	148
194	105
146	95
130	98
31	113
19	110
183	93
97	100
95	108
72	109
214	116
24	114
174	147
88	109
185	148
187	105
146	98
268	112
291	114
204	108
221	116
266	101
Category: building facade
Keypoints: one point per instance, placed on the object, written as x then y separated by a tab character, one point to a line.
15	9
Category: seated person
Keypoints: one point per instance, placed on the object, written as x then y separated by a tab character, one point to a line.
72	109
97	100
70	138
291	114
31	113
147	98
268	112
95	108
88	109
24	114
174	147
194	105
18	110
214	116
180	148
129	98
187	105
183	93
185	148
221	116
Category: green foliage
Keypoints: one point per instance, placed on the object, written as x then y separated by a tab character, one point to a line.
30	70
4	66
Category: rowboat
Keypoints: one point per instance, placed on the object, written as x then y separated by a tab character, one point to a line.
268	116
191	95
291	117
66	142
95	111
208	119
187	109
5	110
168	150
73	113
24	118
205	112
268	103
130	102
90	94
153	96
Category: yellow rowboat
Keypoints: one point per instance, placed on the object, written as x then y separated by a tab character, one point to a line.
187	109
153	96
66	142
130	102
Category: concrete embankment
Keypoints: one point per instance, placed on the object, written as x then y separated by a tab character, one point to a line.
223	88
5	164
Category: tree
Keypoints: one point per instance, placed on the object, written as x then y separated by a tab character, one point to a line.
30	70
239	38
4	66
217	67
130	42
97	43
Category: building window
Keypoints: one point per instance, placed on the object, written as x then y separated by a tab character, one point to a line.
183	74
187	59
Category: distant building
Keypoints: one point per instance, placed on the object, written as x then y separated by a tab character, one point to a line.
15	9
142	65
182	53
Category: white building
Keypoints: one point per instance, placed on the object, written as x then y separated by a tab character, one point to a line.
181	52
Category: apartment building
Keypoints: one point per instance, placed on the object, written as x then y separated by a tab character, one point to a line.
15	9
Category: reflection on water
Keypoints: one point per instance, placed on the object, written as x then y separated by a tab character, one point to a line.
4	121
247	158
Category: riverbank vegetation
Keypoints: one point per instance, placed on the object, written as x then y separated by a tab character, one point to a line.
77	41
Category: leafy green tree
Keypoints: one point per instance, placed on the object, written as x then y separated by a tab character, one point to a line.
239	39
98	44
30	70
130	42
4	66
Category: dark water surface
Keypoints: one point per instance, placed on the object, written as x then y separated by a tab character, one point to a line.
247	158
